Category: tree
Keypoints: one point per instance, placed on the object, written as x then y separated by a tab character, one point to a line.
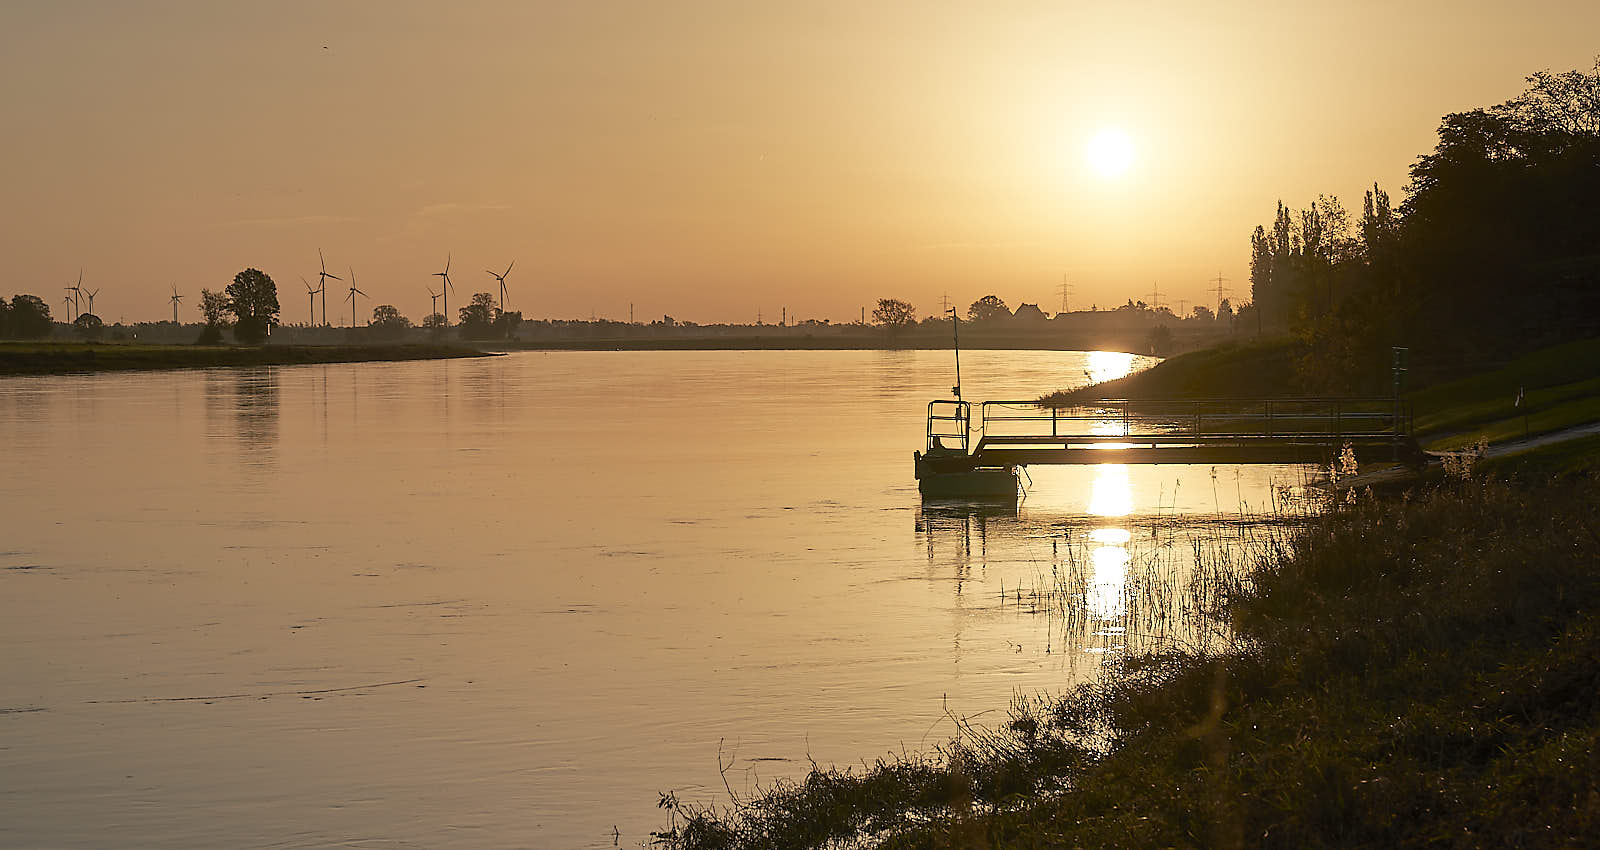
387	323
433	321
29	318
478	318
253	298
1203	313
5	316
988	308
1160	340
507	323
215	307
88	326
894	315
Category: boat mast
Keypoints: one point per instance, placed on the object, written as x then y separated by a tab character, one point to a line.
955	326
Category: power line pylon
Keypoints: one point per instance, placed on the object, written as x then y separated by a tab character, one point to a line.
1221	290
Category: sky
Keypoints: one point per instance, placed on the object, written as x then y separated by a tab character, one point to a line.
714	161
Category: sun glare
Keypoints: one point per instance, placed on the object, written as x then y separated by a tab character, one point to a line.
1110	153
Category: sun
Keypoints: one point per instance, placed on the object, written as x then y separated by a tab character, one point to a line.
1110	153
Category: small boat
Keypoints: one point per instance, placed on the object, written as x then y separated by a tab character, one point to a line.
952	474
946	469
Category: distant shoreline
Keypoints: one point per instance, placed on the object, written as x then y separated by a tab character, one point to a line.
48	358
785	344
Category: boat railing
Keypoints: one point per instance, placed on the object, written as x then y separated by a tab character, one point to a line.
1320	419
949	425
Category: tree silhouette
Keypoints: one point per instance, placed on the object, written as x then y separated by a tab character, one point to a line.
28	318
478	318
253	298
987	309
894	315
88	326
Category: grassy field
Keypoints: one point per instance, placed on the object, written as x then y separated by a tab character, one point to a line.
42	358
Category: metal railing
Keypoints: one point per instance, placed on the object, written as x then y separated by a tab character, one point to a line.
1166	420
949	425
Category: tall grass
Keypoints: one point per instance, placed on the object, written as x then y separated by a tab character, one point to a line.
1418	671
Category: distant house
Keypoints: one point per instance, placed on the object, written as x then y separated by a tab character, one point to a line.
1029	314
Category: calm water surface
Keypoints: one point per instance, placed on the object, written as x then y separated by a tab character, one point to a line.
504	602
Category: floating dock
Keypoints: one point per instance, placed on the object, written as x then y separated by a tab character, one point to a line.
977	457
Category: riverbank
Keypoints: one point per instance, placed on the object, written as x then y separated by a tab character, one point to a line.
820	343
1412	668
1405	672
31	358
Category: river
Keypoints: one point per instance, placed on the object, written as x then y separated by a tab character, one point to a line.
505	602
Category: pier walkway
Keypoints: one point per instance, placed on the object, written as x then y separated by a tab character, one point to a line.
1008	434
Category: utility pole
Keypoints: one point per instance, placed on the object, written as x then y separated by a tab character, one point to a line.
1220	290
1182	303
863	315
1155	295
944	303
630	312
1066	289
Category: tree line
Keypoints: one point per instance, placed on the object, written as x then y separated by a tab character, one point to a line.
1495	250
249	308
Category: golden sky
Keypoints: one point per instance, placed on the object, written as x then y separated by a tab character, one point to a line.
714	159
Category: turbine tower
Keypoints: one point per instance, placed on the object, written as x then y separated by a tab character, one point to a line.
322	286
312	294
353	293
445	289
90	294
175	299
502	279
435	295
76	291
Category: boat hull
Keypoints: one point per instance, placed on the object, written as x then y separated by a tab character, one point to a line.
958	478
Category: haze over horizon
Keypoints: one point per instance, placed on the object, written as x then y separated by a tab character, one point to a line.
713	160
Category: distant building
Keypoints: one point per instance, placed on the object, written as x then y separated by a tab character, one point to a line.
1029	314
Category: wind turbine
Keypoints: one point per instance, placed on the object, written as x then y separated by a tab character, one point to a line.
353	293
77	292
502	279
175	299
322	286
90	294
445	289
435	295
66	303
313	294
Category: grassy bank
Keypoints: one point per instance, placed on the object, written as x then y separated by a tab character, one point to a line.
1558	386
1242	369
22	358
1406	672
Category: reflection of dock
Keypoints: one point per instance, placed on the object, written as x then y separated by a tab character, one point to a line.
967	456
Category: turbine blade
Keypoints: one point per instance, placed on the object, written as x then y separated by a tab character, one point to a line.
508	268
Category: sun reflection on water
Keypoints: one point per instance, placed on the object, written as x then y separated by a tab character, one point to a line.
1109	365
1111	494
